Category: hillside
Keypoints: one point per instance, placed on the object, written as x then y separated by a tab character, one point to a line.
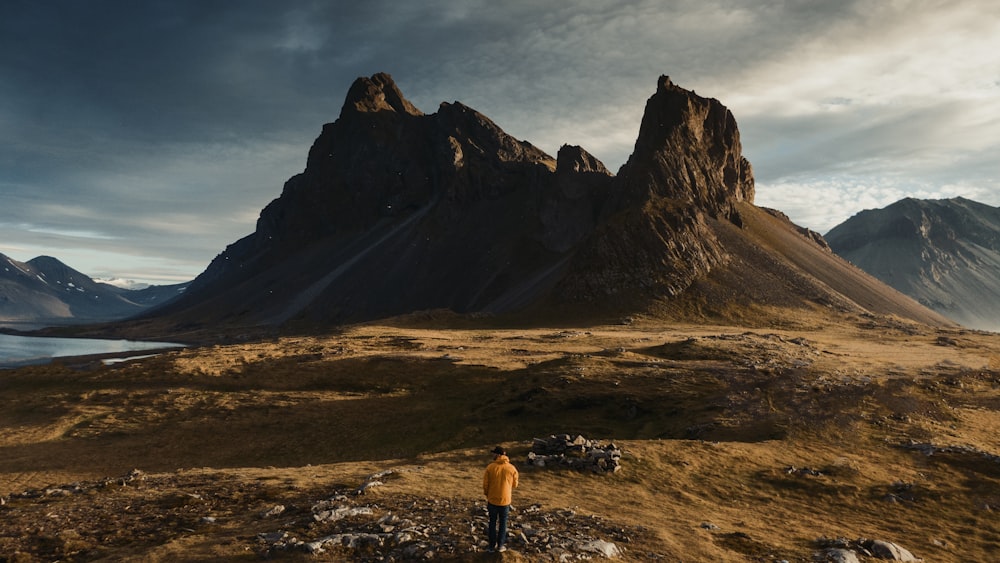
768	400
943	253
45	292
800	443
400	211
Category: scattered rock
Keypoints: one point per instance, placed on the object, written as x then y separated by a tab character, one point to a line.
272	537
931	449
340	513
346	525
275	510
406	528
373	480
134	475
804	471
367	485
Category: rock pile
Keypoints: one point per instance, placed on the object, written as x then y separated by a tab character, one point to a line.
576	453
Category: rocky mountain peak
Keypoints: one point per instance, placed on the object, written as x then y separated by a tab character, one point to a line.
574	158
688	150
663	84
470	132
377	93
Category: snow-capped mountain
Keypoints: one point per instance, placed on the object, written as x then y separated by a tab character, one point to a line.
943	253
46	291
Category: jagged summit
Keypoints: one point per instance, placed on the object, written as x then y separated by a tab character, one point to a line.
377	93
400	211
575	159
686	171
689	150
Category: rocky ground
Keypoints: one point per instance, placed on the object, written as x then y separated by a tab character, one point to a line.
109	518
806	442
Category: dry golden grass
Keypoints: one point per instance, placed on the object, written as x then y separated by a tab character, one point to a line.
775	436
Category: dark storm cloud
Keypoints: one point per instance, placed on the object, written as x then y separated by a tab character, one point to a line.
136	126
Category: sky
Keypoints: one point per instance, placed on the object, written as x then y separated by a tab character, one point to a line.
139	139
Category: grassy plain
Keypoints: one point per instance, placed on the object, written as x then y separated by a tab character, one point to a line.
740	444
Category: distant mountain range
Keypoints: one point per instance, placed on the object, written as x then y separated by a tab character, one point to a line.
44	291
943	253
398	211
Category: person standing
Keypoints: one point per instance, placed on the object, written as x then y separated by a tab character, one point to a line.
499	481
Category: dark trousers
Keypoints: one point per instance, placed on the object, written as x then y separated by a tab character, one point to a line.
497	532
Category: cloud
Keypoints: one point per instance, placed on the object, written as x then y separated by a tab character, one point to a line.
823	203
164	128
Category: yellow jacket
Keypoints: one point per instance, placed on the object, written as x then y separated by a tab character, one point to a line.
499	480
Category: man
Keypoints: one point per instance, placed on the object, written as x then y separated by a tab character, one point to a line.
498	482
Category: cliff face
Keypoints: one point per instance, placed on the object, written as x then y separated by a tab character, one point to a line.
400	211
688	151
943	253
686	170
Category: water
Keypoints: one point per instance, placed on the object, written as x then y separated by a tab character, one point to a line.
25	350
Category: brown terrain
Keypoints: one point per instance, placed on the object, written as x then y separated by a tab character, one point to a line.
739	444
770	401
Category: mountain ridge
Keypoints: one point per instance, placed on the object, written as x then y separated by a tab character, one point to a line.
944	253
399	211
45	291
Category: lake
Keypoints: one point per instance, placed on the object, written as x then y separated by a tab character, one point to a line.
26	350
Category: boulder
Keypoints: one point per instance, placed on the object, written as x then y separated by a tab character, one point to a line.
603	548
889	550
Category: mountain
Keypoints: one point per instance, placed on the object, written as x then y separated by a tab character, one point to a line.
943	253
44	291
400	211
